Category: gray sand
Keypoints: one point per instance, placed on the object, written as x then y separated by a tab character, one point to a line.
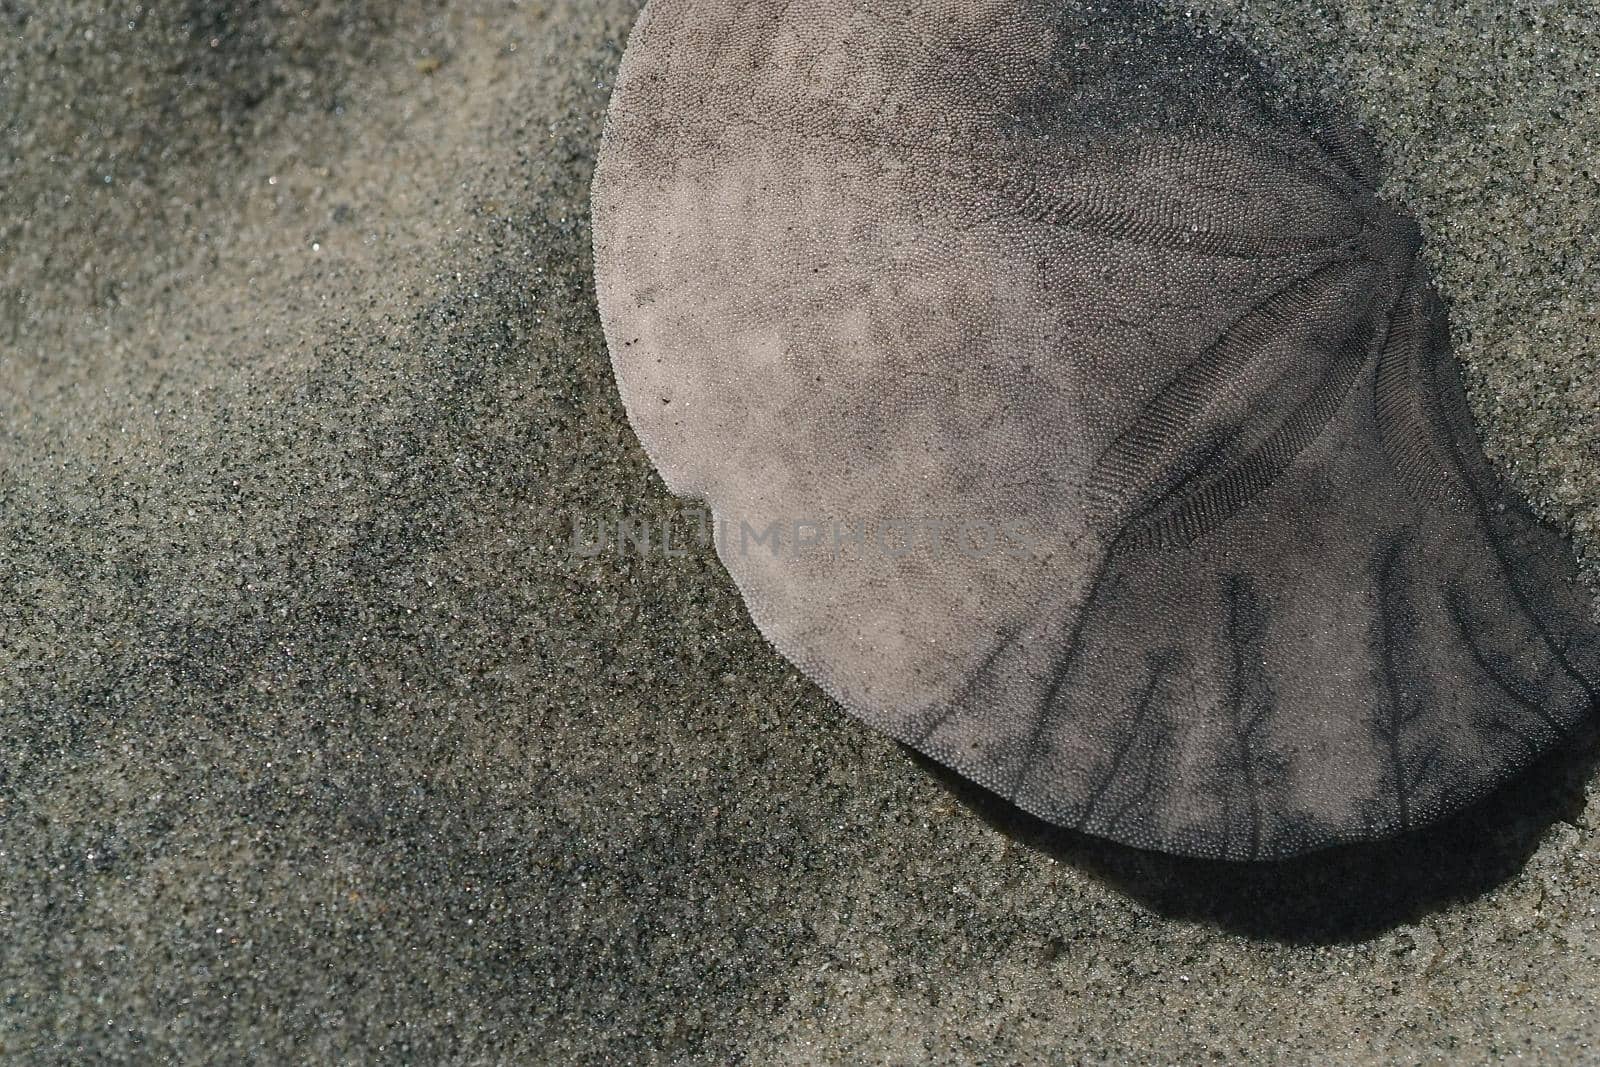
317	743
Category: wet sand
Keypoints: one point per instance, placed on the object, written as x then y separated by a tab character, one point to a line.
318	744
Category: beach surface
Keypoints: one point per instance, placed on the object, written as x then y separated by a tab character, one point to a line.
318	743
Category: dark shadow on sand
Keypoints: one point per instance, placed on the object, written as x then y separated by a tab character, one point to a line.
1344	894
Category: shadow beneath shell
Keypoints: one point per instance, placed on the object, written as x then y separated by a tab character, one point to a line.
1343	894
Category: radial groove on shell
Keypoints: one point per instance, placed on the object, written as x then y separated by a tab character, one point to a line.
1080	276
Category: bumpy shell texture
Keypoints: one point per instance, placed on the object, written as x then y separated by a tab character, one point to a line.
1095	422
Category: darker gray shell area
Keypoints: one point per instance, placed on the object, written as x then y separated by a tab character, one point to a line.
1083	272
